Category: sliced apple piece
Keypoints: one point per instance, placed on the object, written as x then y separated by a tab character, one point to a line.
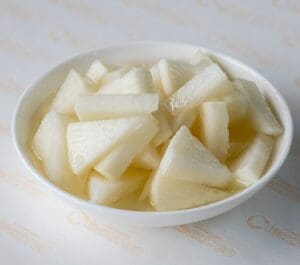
145	194
167	194
104	191
96	71
214	126
89	141
96	107
49	144
249	166
235	149
237	105
187	159
173	75
199	57
118	160
136	81
113	75
209	83
261	115
186	117
149	158
68	92
165	127
157	84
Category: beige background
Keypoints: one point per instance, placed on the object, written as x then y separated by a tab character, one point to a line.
38	228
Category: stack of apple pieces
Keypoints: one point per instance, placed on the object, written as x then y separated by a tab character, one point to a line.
176	134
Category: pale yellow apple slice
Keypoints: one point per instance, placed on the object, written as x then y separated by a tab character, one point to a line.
237	105
199	57
186	117
104	191
169	194
89	141
136	81
187	159
149	158
157	84
235	149
249	166
96	71
118	160
214	127
113	75
49	144
72	87
165	126
97	107
145	194
261	115
211	82
173	74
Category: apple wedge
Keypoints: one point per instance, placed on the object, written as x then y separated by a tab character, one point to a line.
49	144
96	107
211	82
199	58
145	194
237	105
113	75
90	141
186	117
157	84
96	71
136	81
118	160
165	127
68	92
173	74
249	166
169	194
214	127
187	159
261	115
235	149
149	158
104	191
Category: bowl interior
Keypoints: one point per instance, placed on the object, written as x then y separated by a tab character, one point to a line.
143	53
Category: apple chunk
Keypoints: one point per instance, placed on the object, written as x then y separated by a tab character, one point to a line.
173	75
237	106
49	143
209	83
261	115
118	160
249	166
136	81
149	158
65	98
165	128
104	191
187	159
113	75
96	71
89	141
186	117
169	194
214	128
96	107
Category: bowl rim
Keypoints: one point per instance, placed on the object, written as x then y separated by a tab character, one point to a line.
288	133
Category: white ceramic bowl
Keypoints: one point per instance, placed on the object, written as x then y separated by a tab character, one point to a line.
147	52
